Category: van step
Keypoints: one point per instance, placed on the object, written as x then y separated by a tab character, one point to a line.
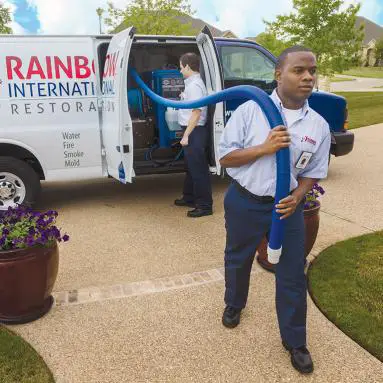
148	167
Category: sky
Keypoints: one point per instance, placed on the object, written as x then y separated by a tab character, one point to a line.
243	17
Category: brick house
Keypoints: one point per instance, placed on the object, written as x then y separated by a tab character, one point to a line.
372	33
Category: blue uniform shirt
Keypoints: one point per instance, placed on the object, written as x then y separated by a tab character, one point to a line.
248	126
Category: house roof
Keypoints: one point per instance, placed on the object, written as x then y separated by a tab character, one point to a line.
198	24
371	29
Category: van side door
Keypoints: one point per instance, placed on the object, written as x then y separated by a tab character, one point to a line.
214	83
116	123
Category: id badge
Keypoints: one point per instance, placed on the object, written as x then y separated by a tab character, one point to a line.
303	160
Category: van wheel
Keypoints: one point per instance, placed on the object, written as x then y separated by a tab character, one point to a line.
19	183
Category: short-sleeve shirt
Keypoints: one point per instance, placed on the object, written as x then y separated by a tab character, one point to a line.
249	127
194	90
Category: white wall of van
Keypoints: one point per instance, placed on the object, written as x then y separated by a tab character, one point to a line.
49	106
62	120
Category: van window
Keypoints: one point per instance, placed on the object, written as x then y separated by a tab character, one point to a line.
246	65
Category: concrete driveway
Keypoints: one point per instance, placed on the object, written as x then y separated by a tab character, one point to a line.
140	288
357	84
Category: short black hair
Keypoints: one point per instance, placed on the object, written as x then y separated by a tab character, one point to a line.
192	60
283	56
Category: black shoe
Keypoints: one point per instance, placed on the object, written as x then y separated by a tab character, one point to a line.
199	213
231	317
182	202
300	359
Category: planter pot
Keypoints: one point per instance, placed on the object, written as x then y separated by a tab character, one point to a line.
311	218
27	277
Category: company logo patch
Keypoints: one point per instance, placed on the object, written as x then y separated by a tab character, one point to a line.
309	140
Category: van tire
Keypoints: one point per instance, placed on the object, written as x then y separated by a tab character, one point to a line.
26	174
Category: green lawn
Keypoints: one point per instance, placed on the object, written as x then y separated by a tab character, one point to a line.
364	108
374	72
19	362
345	282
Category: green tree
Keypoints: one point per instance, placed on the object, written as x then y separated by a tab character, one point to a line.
100	12
327	27
379	52
157	17
269	41
5	19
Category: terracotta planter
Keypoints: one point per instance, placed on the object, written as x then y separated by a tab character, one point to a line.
311	217
27	277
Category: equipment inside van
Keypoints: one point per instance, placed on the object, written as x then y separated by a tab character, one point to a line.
156	126
156	132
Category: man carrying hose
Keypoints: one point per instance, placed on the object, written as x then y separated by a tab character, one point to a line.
247	150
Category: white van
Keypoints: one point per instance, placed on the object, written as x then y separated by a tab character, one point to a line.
69	110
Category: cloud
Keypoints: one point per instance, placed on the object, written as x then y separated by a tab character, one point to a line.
371	9
243	17
70	16
16	27
79	17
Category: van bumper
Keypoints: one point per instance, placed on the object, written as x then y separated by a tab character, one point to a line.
342	143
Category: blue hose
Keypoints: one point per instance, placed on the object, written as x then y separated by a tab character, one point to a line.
273	117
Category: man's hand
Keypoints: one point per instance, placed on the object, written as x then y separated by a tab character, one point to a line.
287	206
278	138
185	140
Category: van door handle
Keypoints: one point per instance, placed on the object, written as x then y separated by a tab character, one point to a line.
125	149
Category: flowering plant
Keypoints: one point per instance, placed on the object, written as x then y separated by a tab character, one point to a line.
311	198
20	227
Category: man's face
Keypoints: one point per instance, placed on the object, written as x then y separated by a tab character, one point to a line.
297	76
185	70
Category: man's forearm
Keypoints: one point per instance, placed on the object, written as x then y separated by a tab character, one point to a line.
241	157
304	186
196	114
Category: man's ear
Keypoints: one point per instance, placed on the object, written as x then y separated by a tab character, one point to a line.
277	75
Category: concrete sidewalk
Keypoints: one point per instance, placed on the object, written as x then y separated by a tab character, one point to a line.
359	84
140	287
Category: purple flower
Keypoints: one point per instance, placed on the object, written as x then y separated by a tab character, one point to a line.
312	196
22	227
41	221
30	241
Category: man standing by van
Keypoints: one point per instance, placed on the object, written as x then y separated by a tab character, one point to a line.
247	150
197	185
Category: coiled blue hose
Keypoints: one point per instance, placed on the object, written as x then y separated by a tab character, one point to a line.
273	117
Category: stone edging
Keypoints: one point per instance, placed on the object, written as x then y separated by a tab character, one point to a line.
97	294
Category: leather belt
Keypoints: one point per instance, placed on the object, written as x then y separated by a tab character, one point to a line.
258	198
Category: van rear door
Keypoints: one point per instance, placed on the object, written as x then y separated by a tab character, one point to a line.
214	83
116	124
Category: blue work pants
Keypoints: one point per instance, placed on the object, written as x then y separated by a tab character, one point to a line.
247	222
197	184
